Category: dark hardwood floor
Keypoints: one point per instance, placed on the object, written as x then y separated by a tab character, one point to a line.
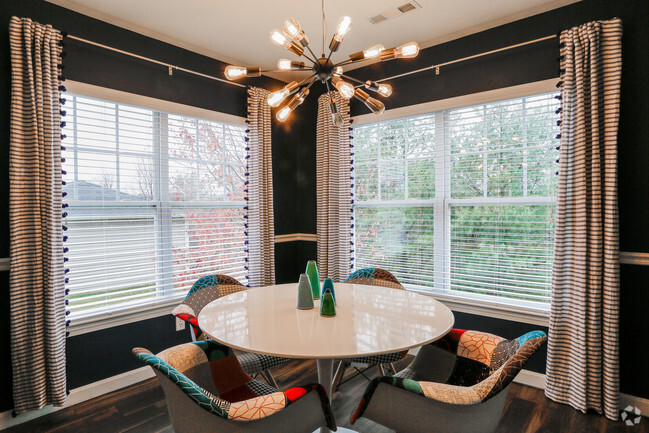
141	409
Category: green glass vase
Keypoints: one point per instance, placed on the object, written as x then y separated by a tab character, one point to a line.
328	284
314	278
327	306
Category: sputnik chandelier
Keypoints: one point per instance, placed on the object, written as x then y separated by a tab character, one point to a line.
293	38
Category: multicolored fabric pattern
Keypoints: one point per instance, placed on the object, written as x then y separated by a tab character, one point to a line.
208	288
200	396
176	360
374	277
495	362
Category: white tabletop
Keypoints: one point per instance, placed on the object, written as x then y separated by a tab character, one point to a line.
369	320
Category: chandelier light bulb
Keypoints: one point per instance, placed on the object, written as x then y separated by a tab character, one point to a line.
374	51
384	90
279	38
375	105
407	51
369	53
296	100
276	98
380	88
283	114
345	89
289	65
344	26
336	117
235	72
293	28
284	64
338	71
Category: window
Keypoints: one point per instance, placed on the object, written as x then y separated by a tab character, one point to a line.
155	201
461	202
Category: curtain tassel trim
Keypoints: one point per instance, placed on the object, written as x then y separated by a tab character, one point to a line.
64	214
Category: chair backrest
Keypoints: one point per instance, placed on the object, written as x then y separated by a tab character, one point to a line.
374	277
189	367
208	288
480	355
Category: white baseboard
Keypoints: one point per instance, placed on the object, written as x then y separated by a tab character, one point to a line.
81	394
632	400
531	378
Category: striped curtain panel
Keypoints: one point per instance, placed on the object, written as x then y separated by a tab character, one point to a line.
582	368
334	191
37	293
260	229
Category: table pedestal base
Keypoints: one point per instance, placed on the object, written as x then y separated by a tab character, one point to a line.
325	377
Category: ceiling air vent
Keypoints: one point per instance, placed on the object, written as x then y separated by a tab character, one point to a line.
395	12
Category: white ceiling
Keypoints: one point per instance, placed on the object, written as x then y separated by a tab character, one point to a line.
238	31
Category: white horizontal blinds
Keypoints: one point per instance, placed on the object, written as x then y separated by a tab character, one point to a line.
461	201
155	202
395	174
502	170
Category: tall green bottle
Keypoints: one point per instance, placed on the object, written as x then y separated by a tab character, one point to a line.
314	278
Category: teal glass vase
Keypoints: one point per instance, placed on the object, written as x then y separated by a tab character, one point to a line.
314	278
328	284
327	305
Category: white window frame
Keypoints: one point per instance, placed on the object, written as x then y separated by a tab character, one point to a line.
109	319
473	304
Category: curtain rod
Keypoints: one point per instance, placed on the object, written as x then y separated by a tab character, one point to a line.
171	67
189	71
436	67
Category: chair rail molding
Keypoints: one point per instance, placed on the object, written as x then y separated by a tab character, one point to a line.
296	237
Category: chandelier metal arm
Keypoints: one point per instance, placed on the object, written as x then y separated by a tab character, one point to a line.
307	79
362	83
329	90
312	60
312	53
350	61
312	81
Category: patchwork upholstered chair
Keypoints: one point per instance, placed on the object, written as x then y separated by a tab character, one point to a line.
207	391
459	384
372	277
205	290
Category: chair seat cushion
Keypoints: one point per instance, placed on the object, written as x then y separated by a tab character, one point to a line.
385	358
254	363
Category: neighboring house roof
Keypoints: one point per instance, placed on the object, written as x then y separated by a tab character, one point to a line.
83	190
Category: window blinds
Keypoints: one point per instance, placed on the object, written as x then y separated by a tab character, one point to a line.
155	201
461	201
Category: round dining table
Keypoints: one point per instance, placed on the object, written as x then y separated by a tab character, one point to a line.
369	320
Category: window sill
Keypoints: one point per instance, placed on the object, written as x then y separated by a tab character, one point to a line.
480	307
516	313
97	322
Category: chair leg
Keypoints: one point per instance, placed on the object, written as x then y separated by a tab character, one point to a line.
381	369
392	369
338	376
269	378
